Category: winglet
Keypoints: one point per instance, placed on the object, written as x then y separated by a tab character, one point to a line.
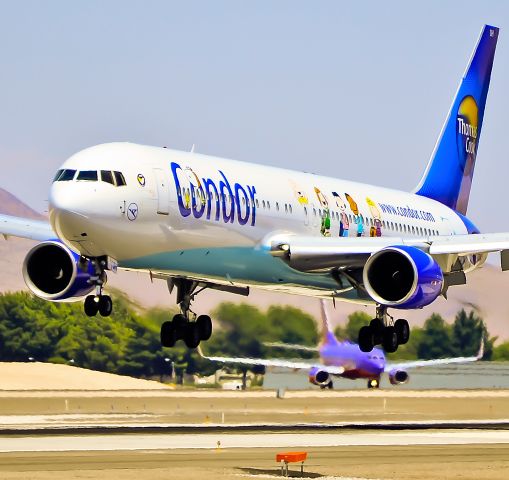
480	353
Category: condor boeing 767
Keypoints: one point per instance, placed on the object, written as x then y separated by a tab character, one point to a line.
202	222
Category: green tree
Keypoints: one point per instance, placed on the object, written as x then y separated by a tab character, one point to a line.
467	331
350	331
436	339
501	352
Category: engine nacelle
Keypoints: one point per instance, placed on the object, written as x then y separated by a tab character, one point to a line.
402	277
398	377
53	272
318	377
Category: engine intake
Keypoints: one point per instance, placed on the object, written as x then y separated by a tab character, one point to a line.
398	377
402	277
318	377
52	272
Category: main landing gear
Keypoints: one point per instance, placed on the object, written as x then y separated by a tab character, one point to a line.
186	325
98	303
385	331
374	383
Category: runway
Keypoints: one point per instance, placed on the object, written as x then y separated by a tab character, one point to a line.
73	443
161	435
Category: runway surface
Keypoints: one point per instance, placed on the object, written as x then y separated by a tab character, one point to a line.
69	443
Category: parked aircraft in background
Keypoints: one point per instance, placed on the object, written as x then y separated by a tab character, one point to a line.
344	359
201	222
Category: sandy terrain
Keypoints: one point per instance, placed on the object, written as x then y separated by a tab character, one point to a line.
480	462
46	376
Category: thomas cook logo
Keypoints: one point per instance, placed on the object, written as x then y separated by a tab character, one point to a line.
467	124
141	179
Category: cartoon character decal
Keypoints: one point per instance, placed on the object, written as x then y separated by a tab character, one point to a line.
321	198
325	226
344	223
194	180
301	196
357	216
376	229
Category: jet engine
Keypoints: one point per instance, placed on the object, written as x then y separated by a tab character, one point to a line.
402	277
53	272
318	377
398	377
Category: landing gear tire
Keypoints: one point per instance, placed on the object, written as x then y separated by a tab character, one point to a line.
105	305
328	385
373	383
168	334
179	324
390	339
204	325
402	331
366	343
192	337
377	329
91	306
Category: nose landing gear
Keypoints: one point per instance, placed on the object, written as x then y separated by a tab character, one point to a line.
98	303
186	326
383	330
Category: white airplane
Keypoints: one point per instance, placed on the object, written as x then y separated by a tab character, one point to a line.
202	222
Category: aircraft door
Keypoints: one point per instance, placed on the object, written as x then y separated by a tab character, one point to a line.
163	192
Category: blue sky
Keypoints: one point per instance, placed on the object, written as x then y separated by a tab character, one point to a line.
357	90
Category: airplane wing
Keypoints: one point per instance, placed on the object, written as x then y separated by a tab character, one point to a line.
291	346
292	365
438	361
308	253
25	228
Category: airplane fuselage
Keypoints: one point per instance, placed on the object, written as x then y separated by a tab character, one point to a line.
208	218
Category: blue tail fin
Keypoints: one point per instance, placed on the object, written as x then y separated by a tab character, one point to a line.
448	178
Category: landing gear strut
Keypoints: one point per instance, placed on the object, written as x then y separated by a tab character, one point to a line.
383	330
187	325
98	302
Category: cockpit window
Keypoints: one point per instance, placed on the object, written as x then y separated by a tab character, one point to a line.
107	176
88	175
64	175
119	178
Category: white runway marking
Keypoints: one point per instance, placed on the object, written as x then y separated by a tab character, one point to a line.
66	443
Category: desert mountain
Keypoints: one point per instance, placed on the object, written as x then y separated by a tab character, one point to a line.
11	205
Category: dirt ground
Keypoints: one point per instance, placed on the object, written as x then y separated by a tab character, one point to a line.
481	462
209	407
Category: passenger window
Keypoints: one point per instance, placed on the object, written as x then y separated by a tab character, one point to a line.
305	211
277	206
314	212
88	175
290	208
107	176
257	203
286	208
263	203
119	179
